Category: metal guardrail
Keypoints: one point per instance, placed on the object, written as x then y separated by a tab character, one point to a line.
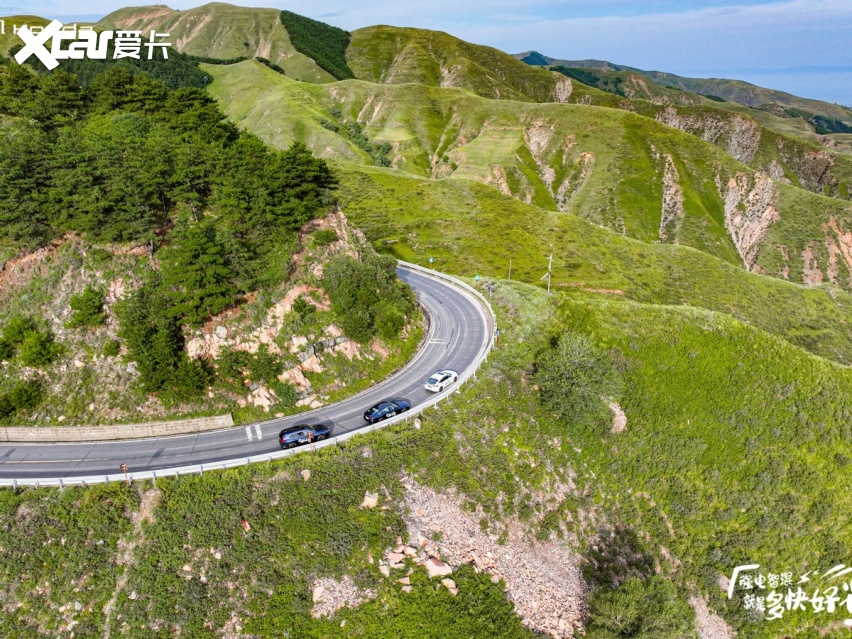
199	469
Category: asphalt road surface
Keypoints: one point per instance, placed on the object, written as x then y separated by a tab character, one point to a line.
460	329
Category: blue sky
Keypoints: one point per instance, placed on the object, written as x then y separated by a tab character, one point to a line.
800	46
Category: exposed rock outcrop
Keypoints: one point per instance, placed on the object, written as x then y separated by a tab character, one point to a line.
562	89
749	212
739	136
330	595
542	579
671	216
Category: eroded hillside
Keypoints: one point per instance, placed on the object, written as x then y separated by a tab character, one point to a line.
627	172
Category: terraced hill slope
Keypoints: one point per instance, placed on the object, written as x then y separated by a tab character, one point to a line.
222	31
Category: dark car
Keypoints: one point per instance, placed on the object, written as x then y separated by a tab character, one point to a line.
386	409
302	434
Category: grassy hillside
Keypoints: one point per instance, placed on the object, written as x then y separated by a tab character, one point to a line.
469	228
222	31
612	167
9	39
744	463
393	55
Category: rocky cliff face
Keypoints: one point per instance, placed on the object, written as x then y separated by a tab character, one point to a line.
750	211
671	215
739	136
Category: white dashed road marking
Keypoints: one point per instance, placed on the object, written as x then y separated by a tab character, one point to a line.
257	430
248	432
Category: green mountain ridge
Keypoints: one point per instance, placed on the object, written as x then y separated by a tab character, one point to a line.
619	169
739	91
222	31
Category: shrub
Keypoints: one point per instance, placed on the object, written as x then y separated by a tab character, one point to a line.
24	396
286	393
17	328
112	348
39	349
303	308
88	309
265	366
232	363
574	376
639	608
7	350
324	237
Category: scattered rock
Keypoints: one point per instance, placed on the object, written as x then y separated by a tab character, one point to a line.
619	419
437	568
329	595
306	474
319	591
371	500
448	583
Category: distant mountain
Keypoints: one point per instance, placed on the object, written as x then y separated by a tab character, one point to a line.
738	91
224	32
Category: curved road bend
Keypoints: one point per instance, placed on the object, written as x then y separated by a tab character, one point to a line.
460	328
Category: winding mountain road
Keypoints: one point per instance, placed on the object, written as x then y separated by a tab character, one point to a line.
459	336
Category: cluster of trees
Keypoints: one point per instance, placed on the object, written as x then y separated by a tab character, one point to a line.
325	44
379	151
115	159
32	346
367	297
123	157
179	71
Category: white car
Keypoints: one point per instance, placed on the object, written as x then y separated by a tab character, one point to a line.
440	380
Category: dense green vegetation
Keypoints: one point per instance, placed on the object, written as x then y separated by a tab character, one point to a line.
724	469
225	207
88	309
325	44
367	297
33	345
176	72
575	378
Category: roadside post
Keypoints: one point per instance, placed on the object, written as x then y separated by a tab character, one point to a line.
123	468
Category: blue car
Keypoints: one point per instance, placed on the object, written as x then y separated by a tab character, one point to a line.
386	409
302	434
